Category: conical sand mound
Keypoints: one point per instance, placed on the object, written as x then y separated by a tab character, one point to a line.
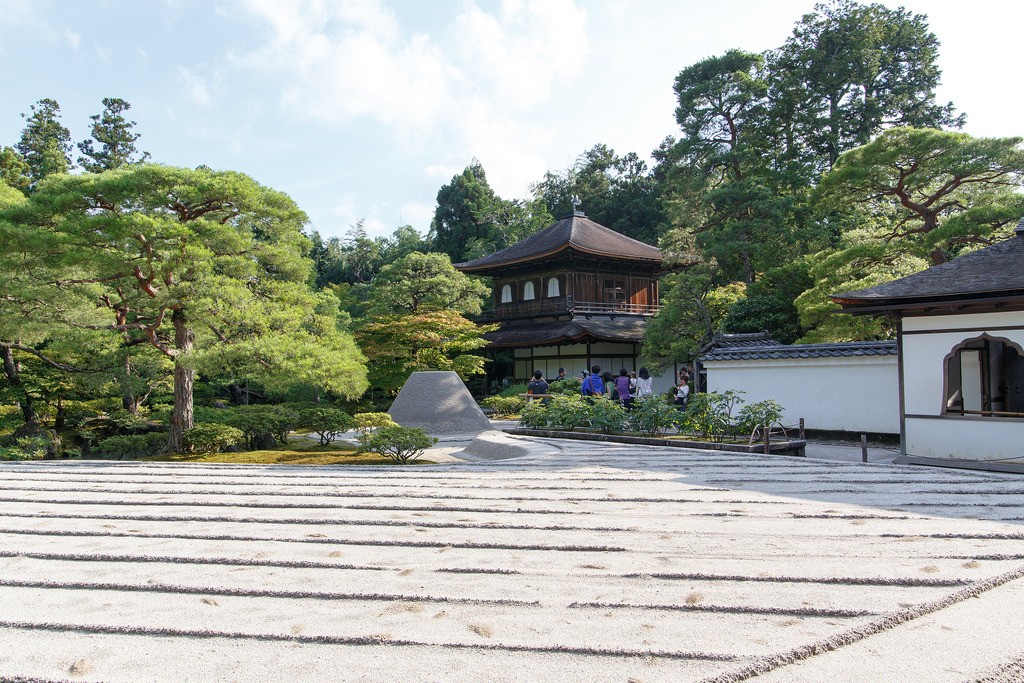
438	403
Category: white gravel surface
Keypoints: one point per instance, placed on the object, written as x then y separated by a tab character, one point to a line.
575	561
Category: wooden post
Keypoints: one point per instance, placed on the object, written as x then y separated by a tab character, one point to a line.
802	429
863	447
767	436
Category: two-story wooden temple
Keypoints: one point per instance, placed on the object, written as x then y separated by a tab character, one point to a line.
573	295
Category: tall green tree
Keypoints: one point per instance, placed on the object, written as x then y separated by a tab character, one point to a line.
112	144
693	308
617	192
850	70
420	283
463	212
198	263
45	143
418	306
718	99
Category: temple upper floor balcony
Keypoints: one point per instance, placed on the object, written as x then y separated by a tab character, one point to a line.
564	305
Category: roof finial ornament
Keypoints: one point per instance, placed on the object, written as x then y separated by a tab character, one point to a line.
576	205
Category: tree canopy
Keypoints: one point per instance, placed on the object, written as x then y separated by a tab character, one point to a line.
191	261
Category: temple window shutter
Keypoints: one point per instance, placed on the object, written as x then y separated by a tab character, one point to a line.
506	294
528	293
553	287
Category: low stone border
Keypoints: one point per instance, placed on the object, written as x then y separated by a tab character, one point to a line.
790	447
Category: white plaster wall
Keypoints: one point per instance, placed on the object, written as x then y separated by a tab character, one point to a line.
966	438
971	321
854	394
663	383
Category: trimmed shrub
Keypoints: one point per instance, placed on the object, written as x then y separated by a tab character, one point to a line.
710	414
401	444
569	385
134	445
534	416
514	390
261	424
653	416
327	423
366	422
505	405
211	437
27	448
607	415
568	412
753	415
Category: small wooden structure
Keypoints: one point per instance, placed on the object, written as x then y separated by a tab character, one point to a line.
961	357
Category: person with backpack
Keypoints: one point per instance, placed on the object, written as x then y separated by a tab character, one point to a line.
592	384
622	388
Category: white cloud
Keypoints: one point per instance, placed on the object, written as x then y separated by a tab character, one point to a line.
196	87
344	60
524	49
416	214
72	39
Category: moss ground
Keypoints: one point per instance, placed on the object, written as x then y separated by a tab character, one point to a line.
295	452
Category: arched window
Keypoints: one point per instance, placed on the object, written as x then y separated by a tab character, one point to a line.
506	294
553	287
984	376
528	294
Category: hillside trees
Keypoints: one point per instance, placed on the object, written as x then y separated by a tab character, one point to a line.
462	212
758	132
849	71
472	220
617	192
206	267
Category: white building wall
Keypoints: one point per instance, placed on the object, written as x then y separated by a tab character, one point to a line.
927	340
853	394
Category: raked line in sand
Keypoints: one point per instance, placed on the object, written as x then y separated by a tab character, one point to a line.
591	562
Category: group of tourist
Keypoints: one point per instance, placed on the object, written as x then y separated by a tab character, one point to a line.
624	388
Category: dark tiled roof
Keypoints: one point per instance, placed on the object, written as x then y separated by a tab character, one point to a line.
743	340
626	329
572	232
994	271
780	351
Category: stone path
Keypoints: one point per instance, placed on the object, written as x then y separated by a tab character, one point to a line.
581	562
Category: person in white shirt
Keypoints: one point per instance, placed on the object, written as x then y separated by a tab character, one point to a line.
644	384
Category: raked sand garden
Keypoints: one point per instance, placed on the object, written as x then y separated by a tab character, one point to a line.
577	562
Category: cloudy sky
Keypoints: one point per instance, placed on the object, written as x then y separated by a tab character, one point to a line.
363	109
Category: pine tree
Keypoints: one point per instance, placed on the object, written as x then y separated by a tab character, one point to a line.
45	143
115	137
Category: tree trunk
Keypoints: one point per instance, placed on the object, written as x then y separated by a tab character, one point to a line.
59	422
13	373
184	378
748	267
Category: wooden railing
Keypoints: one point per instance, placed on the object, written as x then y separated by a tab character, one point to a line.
566	304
